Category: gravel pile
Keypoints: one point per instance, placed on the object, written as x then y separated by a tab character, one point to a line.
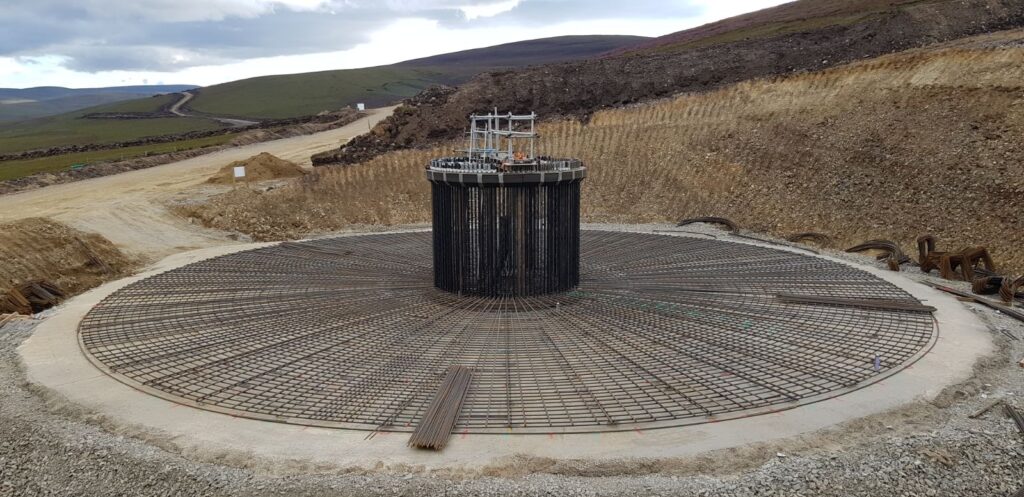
47	448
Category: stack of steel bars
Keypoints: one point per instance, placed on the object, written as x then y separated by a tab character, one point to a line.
436	425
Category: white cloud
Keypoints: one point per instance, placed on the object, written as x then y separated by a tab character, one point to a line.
487	10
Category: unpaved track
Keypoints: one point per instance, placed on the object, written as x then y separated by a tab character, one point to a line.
176	108
130	208
187	97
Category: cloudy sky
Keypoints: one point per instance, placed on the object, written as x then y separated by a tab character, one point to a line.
91	43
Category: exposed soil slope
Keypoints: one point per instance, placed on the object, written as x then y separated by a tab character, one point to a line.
830	33
921	141
800	15
37	248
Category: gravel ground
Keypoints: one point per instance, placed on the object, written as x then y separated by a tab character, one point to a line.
47	448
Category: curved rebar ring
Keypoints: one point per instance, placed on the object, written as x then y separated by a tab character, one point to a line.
710	220
893	254
988	285
819	238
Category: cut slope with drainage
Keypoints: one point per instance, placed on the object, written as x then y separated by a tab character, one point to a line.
349	332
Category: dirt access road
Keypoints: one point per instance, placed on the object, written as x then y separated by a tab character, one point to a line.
131	210
186	97
176	108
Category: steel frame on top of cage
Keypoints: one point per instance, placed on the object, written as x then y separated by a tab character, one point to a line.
493	137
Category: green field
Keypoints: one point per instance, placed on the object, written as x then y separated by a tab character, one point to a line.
20	168
72	129
148	104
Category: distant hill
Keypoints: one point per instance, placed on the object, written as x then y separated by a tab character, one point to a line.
304	94
801	36
531	52
278	96
57	92
30	103
789	18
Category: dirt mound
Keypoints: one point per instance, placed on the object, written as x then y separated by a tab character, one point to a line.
389	190
918	142
260	167
42	249
827	37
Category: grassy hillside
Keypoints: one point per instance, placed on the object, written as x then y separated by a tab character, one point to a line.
72	129
893	147
817	34
310	93
140	105
31	103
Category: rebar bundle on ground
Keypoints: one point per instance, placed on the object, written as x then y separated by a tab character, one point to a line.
436	425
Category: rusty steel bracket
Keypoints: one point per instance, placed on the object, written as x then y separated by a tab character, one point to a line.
965	261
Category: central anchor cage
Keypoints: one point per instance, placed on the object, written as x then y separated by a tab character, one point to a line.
506	222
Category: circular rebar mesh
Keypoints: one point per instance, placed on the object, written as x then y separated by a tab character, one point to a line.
350	332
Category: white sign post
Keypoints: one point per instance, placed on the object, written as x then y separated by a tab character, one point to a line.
360	107
239	173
